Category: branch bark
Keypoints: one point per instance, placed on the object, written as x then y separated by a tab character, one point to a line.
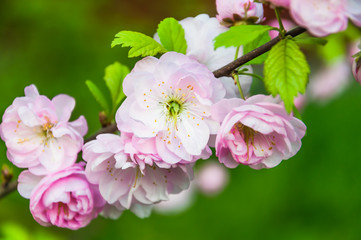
227	70
4	191
222	72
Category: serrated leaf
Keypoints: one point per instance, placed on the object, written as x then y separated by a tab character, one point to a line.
140	44
286	71
98	95
171	35
311	40
262	39
240	35
114	76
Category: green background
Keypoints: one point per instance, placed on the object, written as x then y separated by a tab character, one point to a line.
57	45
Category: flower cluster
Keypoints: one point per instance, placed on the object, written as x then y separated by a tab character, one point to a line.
39	136
171	116
175	111
320	17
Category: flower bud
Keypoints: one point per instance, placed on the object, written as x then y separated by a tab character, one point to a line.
236	12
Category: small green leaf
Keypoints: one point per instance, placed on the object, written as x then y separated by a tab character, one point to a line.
241	35
98	95
286	71
357	55
140	44
262	39
171	35
114	76
311	40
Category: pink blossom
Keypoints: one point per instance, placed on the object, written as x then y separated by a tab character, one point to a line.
212	178
38	134
356	67
323	17
256	132
64	199
169	99
353	11
177	203
126	184
230	12
200	32
330	80
300	101
280	3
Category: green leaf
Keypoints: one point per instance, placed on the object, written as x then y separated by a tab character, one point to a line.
98	95
262	39
140	44
286	71
114	76
171	35
241	35
357	55
311	40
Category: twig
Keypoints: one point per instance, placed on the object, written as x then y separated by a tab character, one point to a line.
8	189
108	129
227	70
222	72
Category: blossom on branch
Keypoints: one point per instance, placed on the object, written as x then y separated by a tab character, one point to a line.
38	134
199	34
257	132
323	17
233	12
170	99
65	199
113	163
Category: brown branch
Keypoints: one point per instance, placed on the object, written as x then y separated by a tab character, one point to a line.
229	68
222	72
108	129
9	188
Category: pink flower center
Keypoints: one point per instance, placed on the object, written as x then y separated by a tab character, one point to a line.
64	207
247	134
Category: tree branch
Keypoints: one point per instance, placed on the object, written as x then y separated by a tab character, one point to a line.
108	129
4	191
225	71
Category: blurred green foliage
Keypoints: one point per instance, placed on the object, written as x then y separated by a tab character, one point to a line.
57	45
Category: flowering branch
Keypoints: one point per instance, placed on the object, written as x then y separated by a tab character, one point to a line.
224	71
227	70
